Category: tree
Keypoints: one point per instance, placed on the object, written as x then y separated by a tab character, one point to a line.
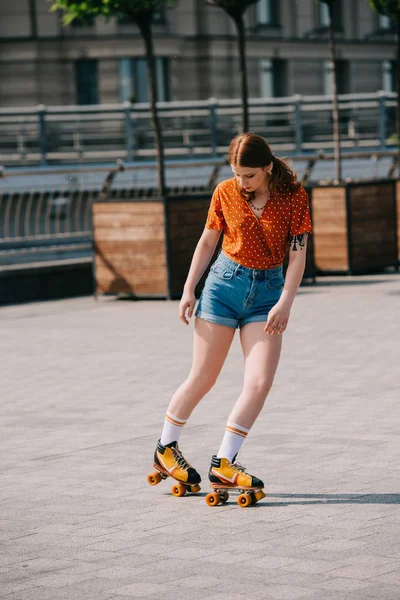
140	12
335	99
236	10
391	9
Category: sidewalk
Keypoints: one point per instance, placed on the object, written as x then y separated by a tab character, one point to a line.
85	386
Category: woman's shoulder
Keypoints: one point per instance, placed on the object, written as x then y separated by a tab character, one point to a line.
228	186
226	190
299	192
292	192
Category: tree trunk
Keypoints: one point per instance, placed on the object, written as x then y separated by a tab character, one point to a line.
145	29
398	87
242	70
335	109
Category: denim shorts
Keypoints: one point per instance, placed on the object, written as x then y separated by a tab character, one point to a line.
234	295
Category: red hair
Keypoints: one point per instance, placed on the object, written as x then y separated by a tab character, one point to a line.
251	150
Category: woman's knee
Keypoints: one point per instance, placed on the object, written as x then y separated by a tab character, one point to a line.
202	382
258	388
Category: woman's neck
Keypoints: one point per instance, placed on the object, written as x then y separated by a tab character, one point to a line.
263	190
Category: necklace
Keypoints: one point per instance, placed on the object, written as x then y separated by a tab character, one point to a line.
257	207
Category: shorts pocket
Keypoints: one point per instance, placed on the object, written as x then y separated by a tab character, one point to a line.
221	272
276	282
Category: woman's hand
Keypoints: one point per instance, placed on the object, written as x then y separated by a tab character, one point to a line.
186	304
278	318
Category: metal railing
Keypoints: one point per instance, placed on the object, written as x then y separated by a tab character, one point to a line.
203	129
45	224
45	214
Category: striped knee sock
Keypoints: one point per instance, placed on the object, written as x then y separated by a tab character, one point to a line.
232	440
172	429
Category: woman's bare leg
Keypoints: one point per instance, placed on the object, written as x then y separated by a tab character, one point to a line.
210	347
261	353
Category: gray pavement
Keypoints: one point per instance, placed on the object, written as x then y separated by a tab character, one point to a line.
85	386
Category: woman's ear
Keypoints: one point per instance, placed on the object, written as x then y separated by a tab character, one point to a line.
270	167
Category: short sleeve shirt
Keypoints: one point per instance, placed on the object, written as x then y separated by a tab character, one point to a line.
258	243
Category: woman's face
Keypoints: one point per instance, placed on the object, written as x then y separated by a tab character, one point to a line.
250	178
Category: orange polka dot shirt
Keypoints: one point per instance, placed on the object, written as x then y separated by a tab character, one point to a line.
284	216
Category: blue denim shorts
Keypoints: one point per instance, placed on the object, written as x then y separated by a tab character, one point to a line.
234	295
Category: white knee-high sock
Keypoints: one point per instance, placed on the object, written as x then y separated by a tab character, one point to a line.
172	429
232	440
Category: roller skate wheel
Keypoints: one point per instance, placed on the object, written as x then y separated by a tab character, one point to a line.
244	500
178	490
194	489
213	499
154	478
259	495
224	497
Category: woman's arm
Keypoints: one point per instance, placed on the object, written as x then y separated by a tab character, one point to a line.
295	270
279	315
202	255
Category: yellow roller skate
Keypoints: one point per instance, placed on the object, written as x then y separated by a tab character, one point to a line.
224	476
170	462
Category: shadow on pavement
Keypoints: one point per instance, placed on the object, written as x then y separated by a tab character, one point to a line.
312	499
305	499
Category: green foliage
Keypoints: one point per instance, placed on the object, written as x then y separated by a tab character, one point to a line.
233	7
388	8
135	9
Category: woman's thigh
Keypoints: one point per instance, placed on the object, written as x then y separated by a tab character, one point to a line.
261	353
210	347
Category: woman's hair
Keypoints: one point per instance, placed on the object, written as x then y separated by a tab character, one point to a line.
251	150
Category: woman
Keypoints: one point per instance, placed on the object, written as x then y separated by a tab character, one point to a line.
263	211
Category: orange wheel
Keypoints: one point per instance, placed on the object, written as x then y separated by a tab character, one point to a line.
244	500
224	497
178	490
213	499
194	489
154	478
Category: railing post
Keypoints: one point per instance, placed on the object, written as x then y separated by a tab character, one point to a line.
298	123
382	119
213	125
128	130
42	110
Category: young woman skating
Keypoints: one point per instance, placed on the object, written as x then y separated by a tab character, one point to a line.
262	211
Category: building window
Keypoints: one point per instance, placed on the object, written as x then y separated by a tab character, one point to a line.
385	22
86	81
133	79
267	78
78	23
323	15
327	78
267	12
389	76
342	77
272	78
158	18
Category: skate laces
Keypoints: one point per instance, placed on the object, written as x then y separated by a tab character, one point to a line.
180	459
239	467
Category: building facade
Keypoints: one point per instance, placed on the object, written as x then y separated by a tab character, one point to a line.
42	62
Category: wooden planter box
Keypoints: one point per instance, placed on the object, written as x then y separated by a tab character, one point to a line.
143	247
355	227
129	248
